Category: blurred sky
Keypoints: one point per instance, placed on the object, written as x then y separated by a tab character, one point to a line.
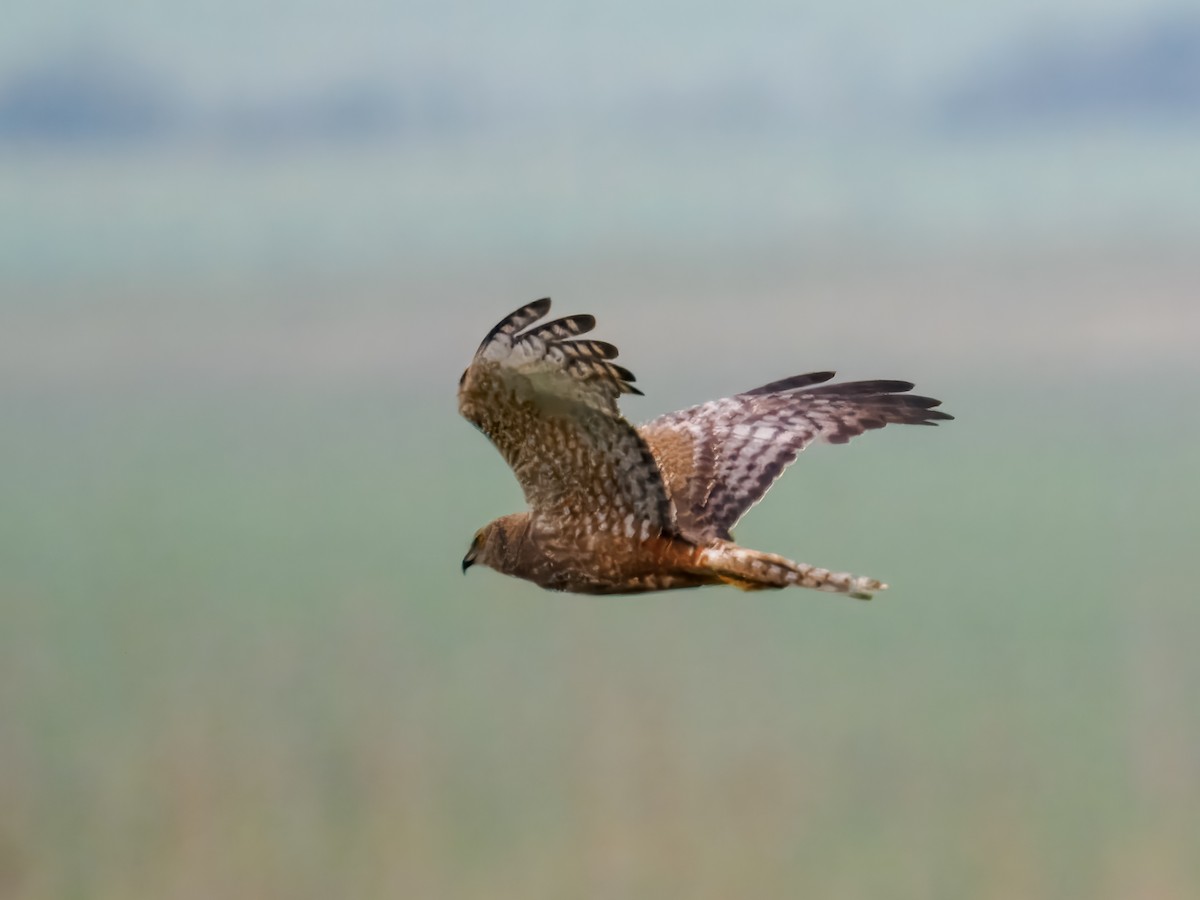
415	153
551	67
542	49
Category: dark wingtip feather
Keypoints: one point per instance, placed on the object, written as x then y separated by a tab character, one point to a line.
583	322
621	372
791	383
926	406
922	413
530	311
589	347
585	359
559	330
859	388
518	319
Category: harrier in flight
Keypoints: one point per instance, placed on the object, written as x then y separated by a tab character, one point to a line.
619	509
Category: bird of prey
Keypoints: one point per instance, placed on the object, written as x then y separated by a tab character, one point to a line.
619	509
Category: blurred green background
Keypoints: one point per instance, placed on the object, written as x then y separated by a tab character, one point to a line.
245	255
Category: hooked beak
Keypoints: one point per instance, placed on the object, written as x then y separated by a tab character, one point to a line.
468	561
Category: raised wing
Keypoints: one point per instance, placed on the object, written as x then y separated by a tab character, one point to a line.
549	404
721	457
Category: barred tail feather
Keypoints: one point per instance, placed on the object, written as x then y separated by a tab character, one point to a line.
753	570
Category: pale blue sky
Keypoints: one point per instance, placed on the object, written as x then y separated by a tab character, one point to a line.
610	125
220	47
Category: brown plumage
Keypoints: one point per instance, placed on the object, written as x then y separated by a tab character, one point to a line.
616	509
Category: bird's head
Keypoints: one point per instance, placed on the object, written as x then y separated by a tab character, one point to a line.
497	544
477	544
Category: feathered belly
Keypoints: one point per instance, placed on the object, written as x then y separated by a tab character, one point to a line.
622	566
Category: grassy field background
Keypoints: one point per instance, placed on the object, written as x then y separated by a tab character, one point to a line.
238	659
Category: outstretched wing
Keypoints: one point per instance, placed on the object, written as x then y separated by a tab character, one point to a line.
720	458
549	404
